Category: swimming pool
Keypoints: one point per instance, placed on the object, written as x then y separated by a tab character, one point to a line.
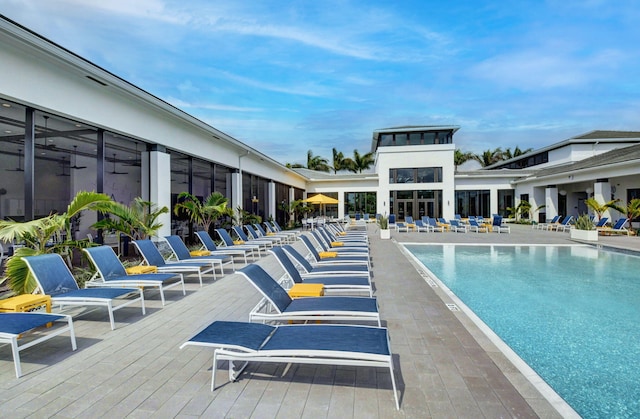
572	313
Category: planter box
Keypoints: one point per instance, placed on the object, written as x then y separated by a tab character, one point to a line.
584	235
385	234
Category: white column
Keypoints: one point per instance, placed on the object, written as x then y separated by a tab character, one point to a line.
159	189
341	204
551	201
602	194
236	190
271	200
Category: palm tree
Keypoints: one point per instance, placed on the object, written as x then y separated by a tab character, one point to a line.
631	211
45	235
203	213
317	163
294	165
599	208
340	162
489	157
507	154
362	162
460	157
138	221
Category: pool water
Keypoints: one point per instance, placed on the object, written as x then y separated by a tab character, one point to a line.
572	313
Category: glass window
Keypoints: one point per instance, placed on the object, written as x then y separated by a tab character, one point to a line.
506	198
405	175
401	139
122	168
12	122
202	175
386	140
415	138
429	138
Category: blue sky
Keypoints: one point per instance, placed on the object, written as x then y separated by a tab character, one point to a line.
289	76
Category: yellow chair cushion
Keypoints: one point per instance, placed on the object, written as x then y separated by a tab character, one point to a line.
337	244
238	242
342	233
270	233
137	270
324	255
200	253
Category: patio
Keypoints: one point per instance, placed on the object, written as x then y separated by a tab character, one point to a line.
445	367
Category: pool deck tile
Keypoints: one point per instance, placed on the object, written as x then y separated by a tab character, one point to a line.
445	366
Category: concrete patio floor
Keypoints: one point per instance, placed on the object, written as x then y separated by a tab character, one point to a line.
445	366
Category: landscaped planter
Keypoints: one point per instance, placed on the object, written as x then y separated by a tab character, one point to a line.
385	234
585	235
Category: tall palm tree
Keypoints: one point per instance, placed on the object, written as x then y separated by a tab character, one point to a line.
460	157
340	162
507	154
362	162
317	163
489	157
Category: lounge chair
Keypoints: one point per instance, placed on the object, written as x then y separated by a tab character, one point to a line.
255	235
228	242
266	244
474	226
285	238
392	221
353	346
278	306
332	283
342	248
54	279
14	326
324	269
618	227
153	257
498	226
402	227
564	225
603	222
181	252
210	245
421	227
545	225
275	228
111	273
458	227
435	226
334	257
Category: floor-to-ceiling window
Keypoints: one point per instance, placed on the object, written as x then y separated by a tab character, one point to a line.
473	203
360	203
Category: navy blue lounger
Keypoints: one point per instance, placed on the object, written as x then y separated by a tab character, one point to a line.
14	326
55	279
278	306
360	346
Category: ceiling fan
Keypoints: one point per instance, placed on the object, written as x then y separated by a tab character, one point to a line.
136	162
114	171
75	159
46	144
19	168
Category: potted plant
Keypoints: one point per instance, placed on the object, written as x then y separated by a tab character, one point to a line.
383	222
584	229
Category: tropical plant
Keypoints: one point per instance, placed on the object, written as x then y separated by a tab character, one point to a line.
460	157
317	163
488	157
50	234
584	222
137	221
507	154
599	208
340	162
631	211
362	162
383	222
520	210
203	213
246	217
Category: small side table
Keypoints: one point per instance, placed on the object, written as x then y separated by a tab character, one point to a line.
25	302
140	269
306	290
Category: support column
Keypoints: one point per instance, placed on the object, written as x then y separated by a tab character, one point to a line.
160	186
551	200
602	193
341	205
271	200
236	190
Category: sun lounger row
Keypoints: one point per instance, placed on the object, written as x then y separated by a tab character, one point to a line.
333	344
440	225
